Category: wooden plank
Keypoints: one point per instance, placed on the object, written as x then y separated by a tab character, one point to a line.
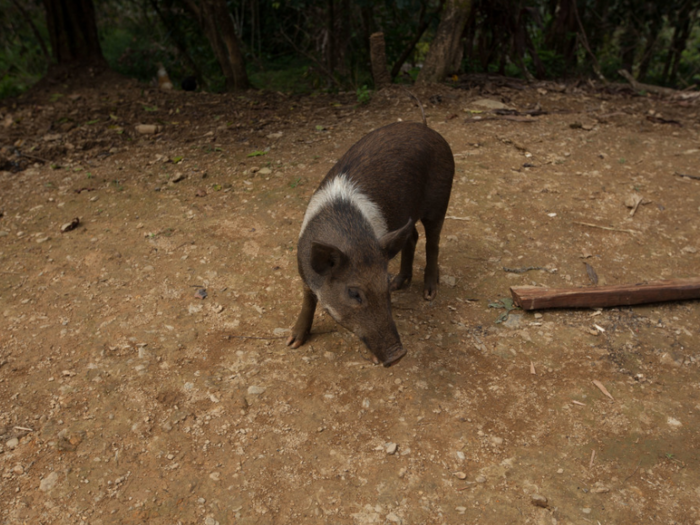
536	298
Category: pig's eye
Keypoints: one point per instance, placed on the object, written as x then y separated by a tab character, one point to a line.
354	294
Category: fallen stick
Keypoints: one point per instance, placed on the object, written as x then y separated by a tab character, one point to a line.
536	298
694	177
633	232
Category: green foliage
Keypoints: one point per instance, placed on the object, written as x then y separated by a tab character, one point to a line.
22	61
285	74
287	46
364	95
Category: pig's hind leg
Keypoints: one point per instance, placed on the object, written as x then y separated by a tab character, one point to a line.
432	249
403	279
306	318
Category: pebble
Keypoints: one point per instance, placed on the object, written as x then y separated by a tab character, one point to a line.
264	171
178	177
255	390
393	518
12	443
402	472
4	233
539	501
586	510
216	476
391	448
148	129
480	479
672	421
210	521
460	455
460	475
49	482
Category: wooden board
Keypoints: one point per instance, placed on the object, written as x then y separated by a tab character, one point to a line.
535	297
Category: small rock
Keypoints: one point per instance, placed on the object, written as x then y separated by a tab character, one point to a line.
178	177
671	421
12	443
461	510
216	476
489	103
460	475
448	280
402	472
42	239
72	225
539	501
49	482
480	479
586	511
148	129
391	448
254	390
279	332
513	321
210	521
4	234
393	518
264	171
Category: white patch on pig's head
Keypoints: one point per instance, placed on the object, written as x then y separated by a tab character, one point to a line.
341	188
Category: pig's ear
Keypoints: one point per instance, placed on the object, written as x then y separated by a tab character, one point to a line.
393	242
326	259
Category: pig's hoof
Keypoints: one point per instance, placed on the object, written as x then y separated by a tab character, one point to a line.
295	341
429	292
394	357
399	281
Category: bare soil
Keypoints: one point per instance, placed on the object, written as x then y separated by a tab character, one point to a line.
126	398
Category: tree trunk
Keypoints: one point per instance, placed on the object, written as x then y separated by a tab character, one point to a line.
423	23
330	48
628	46
562	35
170	23
73	31
653	35
446	46
228	35
222	39
37	35
377	52
681	32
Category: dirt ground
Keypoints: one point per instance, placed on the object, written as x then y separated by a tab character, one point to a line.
125	398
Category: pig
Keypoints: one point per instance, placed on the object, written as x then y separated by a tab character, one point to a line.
362	215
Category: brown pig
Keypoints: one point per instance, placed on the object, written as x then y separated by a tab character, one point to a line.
364	213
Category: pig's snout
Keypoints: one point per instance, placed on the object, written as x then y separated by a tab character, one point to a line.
393	355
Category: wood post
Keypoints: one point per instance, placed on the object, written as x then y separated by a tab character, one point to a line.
536	298
377	54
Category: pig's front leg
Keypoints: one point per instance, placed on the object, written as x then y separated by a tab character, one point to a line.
306	317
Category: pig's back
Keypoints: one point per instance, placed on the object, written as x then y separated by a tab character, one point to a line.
405	168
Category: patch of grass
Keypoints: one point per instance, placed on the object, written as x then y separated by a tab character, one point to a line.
286	74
